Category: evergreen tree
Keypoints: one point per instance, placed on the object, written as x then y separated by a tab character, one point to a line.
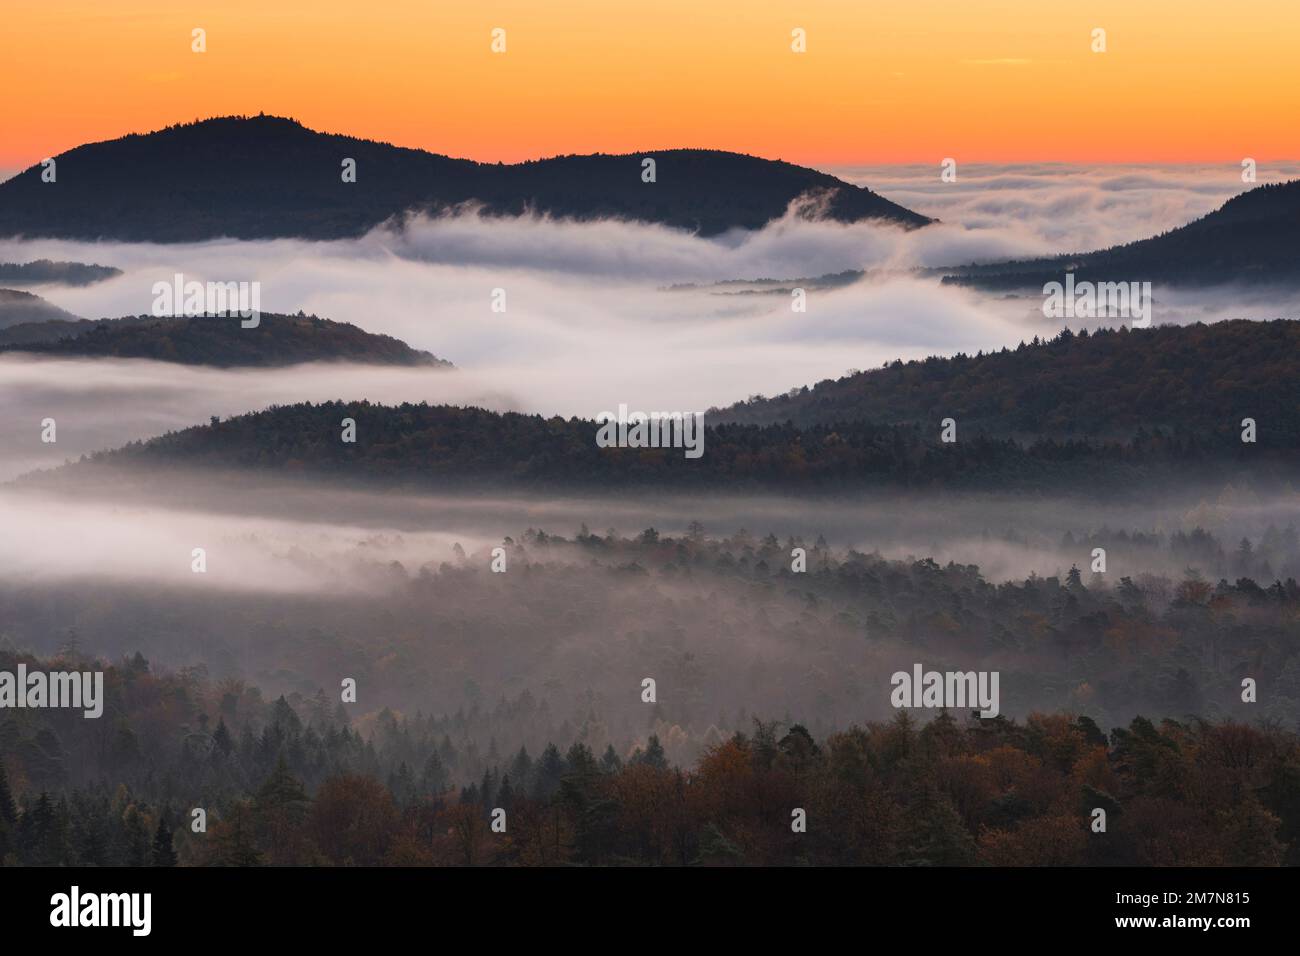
505	794
279	810
135	838
550	768
610	762
221	739
8	810
8	816
163	854
433	779
521	767
654	755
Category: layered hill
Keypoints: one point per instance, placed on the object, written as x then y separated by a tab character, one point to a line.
264	177
1115	414
1108	384
46	272
21	308
218	341
1253	237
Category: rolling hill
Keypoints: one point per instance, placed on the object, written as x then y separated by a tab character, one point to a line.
21	308
1158	408
43	271
1109	384
264	177
1253	237
205	340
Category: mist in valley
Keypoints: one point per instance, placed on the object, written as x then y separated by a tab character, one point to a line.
307	582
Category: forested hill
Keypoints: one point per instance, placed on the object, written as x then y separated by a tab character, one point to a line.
448	447
264	176
1108	384
220	341
1253	237
44	271
18	308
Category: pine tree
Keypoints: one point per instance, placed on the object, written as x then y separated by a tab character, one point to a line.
279	810
654	755
8	817
610	761
233	842
506	794
221	738
163	853
402	784
41	833
433	779
135	839
521	768
550	768
8	810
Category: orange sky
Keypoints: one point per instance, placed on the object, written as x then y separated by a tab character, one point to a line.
917	80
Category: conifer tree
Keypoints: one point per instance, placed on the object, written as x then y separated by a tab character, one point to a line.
163	853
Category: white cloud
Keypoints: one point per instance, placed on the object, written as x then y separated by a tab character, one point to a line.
592	319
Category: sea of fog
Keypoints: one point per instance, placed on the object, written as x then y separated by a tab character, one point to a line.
598	314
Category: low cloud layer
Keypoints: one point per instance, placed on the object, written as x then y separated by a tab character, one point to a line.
1049	208
605	313
275	534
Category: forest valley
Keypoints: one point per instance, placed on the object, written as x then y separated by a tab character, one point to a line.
995	792
256	736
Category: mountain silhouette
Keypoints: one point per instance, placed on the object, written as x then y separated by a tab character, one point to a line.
265	177
43	272
1253	237
1111	384
223	342
1078	412
22	308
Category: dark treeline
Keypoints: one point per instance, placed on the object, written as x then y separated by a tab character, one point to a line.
216	340
41	271
1120	384
447	447
27	311
1109	412
949	792
1275	553
1252	238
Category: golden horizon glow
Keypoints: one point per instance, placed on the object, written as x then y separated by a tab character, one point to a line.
1006	81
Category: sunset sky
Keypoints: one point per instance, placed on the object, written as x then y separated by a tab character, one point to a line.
918	81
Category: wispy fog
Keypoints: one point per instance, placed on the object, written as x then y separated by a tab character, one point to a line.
66	538
306	583
603	313
597	315
1059	207
267	533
